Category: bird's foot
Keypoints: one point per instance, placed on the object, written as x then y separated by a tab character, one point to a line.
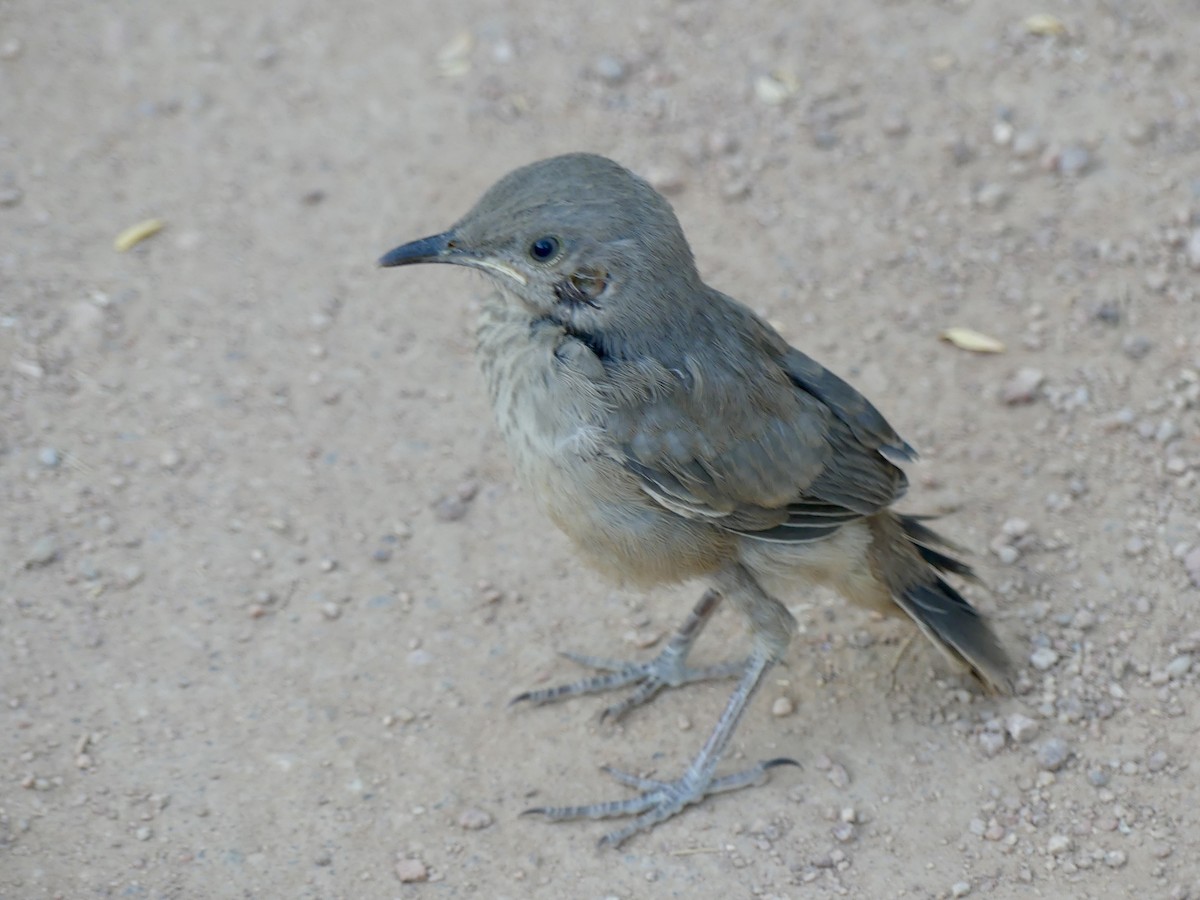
668	669
657	800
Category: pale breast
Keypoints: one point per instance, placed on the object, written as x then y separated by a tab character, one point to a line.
551	411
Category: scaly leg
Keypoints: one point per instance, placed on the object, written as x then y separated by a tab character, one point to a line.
659	800
668	669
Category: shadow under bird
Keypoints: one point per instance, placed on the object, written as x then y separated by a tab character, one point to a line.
672	434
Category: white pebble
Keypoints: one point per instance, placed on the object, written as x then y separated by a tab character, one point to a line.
782	707
1043	658
1022	728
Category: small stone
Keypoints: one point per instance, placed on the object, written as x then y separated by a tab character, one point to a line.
838	775
144	833
170	459
474	819
1026	144
1043	658
843	832
1023	386
1191	563
782	707
331	610
960	889
450	508
1193	250
893	124
11	48
327	565
10	196
1074	160
1157	761
611	70
994	832
1136	346
666	180
1115	859
1097	776
992	742
130	575
1179	666
1007	554
1053	754
411	870
1015	528
1058	844
1021	728
49	457
991	196
43	552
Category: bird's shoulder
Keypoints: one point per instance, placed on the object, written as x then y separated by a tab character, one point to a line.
724	420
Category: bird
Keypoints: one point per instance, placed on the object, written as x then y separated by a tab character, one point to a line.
673	435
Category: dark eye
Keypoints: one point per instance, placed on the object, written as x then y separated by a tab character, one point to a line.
544	248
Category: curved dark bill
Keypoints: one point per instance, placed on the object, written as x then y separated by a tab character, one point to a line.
436	248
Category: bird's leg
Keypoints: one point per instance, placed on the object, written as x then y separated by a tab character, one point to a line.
658	800
668	669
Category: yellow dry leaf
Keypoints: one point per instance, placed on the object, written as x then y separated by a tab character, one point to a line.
1045	25
135	234
970	339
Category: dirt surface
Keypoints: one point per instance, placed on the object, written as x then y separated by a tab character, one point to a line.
267	584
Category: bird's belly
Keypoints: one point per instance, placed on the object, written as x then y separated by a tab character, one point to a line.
553	427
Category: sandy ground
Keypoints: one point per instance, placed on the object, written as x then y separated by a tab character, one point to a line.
267	584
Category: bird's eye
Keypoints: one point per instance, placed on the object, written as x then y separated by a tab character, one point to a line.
544	248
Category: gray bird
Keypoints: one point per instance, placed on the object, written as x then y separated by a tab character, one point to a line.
672	434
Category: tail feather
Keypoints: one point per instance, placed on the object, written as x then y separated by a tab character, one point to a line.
917	554
956	628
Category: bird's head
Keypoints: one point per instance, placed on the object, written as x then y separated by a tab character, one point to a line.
574	238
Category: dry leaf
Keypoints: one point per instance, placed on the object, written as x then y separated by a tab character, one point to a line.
1045	25
970	339
135	234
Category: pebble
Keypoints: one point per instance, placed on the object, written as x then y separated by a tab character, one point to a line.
838	775
144	833
611	70
474	819
10	196
1074	160
1097	777
411	870
1026	144
1191	563
450	508
43	552
1021	728
782	707
49	457
991	196
666	180
1052	754
844	832
1115	859
992	742
960	889
1043	658
1023	386
893	124
1179	666
1193	250
1136	346
1058	844
1157	761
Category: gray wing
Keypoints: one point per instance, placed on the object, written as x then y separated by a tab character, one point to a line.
765	443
